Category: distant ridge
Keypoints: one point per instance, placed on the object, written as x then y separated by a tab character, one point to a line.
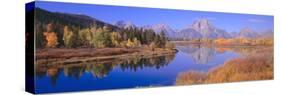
201	28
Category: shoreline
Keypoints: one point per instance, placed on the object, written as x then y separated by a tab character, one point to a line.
68	56
217	45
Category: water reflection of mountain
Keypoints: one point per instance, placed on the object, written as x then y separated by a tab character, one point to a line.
102	69
199	54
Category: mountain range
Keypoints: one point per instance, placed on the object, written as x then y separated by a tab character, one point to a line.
201	28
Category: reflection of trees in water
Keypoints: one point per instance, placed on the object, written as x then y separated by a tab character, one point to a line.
199	54
101	69
52	73
74	72
139	63
97	70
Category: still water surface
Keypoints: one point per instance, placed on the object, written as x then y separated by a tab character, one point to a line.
130	73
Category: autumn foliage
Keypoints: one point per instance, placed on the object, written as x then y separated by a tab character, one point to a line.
68	37
51	38
244	41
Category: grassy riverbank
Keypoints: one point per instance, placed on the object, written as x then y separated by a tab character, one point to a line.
255	65
57	55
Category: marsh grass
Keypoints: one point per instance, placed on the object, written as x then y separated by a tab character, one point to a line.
257	65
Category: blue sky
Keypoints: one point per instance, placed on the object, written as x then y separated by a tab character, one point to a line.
176	19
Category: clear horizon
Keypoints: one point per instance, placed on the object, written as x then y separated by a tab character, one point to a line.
176	19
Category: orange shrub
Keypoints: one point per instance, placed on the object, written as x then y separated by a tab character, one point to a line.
222	41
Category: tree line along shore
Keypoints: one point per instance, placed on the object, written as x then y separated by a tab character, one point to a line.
64	42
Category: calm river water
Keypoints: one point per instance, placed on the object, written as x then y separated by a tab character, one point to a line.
130	73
